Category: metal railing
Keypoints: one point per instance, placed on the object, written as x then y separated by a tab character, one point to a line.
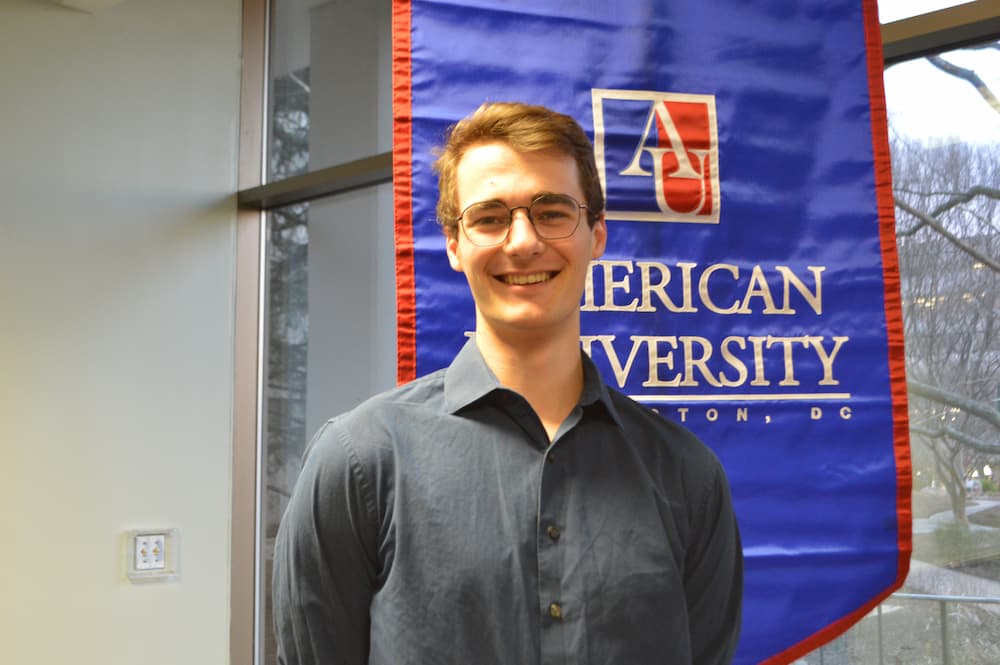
943	609
943	601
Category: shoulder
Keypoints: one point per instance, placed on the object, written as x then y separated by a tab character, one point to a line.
354	454
390	411
369	431
666	442
640	420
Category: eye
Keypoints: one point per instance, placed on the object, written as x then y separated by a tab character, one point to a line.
486	215
544	213
486	221
554	209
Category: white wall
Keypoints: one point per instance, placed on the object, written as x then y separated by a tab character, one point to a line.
118	146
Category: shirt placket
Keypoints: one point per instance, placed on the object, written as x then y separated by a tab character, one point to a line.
555	608
555	614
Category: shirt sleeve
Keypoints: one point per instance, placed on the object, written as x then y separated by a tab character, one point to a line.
325	559
713	576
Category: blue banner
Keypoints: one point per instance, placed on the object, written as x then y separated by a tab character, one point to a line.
749	289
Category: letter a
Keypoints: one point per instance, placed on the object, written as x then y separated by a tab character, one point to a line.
658	110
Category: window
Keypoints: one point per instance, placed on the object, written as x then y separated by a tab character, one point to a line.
330	280
331	333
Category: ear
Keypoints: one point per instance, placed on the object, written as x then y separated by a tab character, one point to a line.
600	237
451	246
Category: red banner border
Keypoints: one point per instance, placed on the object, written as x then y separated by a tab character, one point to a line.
402	189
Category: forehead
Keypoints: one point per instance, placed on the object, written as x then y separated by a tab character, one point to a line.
496	170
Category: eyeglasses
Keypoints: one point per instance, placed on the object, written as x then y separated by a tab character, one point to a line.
554	216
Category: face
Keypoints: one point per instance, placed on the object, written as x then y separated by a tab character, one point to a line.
526	285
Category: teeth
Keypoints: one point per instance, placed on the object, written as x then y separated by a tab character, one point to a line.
521	280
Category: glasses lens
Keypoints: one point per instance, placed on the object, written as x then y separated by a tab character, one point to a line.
555	215
486	223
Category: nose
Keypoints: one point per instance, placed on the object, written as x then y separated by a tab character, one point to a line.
522	238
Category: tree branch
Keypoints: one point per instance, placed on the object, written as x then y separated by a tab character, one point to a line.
965	197
966	75
956	199
963	438
935	394
937	226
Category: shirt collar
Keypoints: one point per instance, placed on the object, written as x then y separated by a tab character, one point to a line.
469	379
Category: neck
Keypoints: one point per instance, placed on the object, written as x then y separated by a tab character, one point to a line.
546	370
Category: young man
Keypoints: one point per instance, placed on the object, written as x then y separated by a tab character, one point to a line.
510	508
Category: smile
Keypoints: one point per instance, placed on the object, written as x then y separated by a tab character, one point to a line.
522	280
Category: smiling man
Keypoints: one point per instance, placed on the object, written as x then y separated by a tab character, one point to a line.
511	508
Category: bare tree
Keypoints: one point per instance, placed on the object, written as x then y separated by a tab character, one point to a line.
946	197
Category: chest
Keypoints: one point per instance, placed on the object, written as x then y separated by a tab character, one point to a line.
489	510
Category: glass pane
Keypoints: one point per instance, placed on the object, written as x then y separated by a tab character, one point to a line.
285	357
331	83
331	335
927	103
945	141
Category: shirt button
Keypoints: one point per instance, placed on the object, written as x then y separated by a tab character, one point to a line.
555	611
550	458
553	532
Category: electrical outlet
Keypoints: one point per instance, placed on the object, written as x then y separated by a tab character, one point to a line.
151	555
150	551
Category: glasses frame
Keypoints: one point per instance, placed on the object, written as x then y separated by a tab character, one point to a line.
460	220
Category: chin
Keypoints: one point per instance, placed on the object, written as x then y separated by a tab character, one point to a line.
527	321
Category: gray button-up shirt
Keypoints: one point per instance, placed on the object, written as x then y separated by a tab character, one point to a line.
436	523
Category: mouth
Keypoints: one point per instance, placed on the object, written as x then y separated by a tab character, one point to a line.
524	280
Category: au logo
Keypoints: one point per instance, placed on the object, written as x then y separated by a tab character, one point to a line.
657	155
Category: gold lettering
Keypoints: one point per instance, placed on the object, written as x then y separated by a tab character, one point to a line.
621	373
655	360
703	287
649	287
611	284
686	281
683	411
712	415
816	413
758	361
827	358
814	298
758	289
690	360
701	362
786	343
845	412
654	278
733	361
588	290
741	414
659	288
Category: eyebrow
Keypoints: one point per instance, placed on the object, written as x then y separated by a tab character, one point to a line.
534	197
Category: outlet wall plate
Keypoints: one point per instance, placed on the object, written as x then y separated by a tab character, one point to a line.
152	555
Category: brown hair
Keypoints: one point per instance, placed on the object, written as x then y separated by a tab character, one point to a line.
525	128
